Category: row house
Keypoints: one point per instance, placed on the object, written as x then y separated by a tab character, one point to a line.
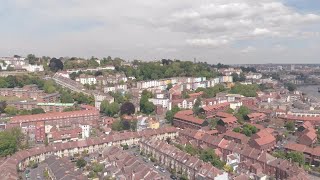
230	71
174	158
256	117
276	167
263	140
307	135
21	159
99	97
185	119
121	164
311	155
61	119
252	75
163	102
115	87
211	110
86	79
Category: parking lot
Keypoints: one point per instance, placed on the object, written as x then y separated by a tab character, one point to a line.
161	169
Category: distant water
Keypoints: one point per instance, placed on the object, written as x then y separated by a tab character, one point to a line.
311	90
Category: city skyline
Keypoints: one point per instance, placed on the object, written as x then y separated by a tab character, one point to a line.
230	32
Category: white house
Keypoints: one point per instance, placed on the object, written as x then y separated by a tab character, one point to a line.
85	131
33	68
86	79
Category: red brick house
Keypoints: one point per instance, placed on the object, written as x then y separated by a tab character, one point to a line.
263	140
185	119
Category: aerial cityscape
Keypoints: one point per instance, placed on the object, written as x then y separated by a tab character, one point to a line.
155	90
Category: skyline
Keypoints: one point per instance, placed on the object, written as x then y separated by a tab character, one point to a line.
228	31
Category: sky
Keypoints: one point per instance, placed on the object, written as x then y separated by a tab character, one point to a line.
226	31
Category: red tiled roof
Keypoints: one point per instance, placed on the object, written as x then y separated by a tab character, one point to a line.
229	120
187	115
292	117
215	107
50	116
223	114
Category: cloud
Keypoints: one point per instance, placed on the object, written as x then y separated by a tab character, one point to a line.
248	49
149	29
207	42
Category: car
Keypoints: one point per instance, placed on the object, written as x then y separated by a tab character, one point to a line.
156	166
173	177
135	154
162	169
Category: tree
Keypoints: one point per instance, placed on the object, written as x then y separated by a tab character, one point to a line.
291	87
249	90
197	106
127	108
242	113
49	86
170	114
11	110
191	150
230	111
146	106
81	163
109	109
116	125
208	155
10	141
37	111
3	105
31	59
55	65
97	167
66	97
169	86
296	157
290	125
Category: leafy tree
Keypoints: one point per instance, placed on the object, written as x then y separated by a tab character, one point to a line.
296	157
66	97
169	86
249	90
49	86
237	129
146	106
197	106
291	87
230	111
116	125
191	150
290	126
127	108
10	141
31	59
242	113
11	110
3	105
209	155
81	163
97	167
37	111
55	65
109	109
170	114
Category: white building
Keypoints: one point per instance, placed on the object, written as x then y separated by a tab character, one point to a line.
254	75
99	97
85	131
33	68
159	101
86	79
